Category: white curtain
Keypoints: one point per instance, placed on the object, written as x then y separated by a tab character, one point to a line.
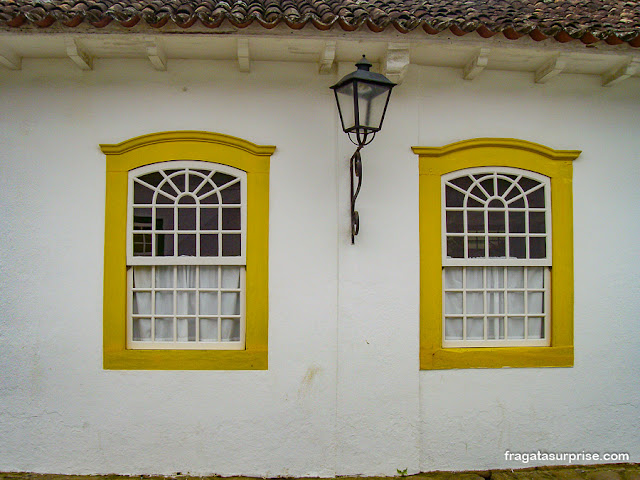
214	302
481	301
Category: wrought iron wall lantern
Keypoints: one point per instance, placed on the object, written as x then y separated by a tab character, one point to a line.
362	97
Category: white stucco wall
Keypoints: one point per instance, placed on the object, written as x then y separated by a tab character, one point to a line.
343	393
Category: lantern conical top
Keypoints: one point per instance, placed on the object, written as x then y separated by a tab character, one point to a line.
364	64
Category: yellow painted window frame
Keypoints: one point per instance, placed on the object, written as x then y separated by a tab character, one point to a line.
205	147
495	152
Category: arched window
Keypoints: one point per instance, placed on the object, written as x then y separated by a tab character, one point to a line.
185	256
496	257
186	253
491	274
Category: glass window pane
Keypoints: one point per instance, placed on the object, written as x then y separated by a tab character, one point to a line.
186	303
536	199
142	219
208	329
537	247
210	198
164	303
453	303
475	328
475	222
230	329
495	328
208	245
195	182
142	194
164	329
179	182
463	182
495	277
231	245
495	302
142	244
187	245
537	222
208	218
206	187
186	329
453	329
209	277
476	192
517	247
535	277
344	97
230	303
141	277
153	178
230	277
455	247
231	219
372	100
535	302
208	303
535	327
516	222
141	303
475	247
186	218
515	277
221	179
167	189
474	278
164	277
487	184
164	218
141	329
454	198
475	302
516	327
497	247
496	221
186	276
453	277
164	245
455	222
231	194
515	301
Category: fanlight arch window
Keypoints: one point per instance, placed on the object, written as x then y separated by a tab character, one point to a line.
186	249
496	226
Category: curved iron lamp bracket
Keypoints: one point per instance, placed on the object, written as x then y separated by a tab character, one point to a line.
355	168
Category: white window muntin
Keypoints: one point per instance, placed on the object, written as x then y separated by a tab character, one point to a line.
197	343
525	316
175	261
488	172
241	177
464	317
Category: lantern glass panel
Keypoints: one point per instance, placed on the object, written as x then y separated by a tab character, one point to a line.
372	99
344	96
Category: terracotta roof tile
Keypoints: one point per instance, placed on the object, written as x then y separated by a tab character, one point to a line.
614	21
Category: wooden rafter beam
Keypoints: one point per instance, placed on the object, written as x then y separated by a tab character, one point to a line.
396	62
551	68
244	63
327	57
618	74
477	64
156	54
79	55
9	58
